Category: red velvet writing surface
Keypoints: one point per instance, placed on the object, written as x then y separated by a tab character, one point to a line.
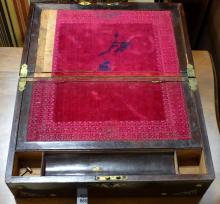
107	111
115	42
107	101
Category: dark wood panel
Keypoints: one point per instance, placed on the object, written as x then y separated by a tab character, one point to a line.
68	164
195	11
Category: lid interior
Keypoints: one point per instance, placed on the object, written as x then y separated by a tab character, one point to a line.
107	42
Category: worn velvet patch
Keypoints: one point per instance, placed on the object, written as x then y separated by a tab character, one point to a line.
107	111
115	42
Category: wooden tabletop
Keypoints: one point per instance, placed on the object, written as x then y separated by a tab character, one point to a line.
9	66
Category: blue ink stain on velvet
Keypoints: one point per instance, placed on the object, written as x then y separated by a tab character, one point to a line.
105	66
123	46
116	46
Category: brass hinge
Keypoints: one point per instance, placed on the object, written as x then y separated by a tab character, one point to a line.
24	70
193	84
190	70
22	84
191	77
111	178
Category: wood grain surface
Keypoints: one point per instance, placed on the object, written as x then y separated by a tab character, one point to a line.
46	41
9	66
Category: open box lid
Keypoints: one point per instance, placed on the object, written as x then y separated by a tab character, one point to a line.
114	77
124	40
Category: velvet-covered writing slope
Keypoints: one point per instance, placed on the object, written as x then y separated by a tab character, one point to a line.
107	111
107	43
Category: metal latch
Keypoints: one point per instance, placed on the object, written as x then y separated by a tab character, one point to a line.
111	178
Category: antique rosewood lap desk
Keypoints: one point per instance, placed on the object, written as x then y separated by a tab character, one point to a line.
108	101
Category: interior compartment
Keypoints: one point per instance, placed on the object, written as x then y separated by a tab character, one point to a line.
67	164
115	166
27	164
190	162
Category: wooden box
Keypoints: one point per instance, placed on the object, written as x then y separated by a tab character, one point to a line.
107	100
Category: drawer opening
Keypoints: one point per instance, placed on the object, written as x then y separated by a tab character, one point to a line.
27	164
